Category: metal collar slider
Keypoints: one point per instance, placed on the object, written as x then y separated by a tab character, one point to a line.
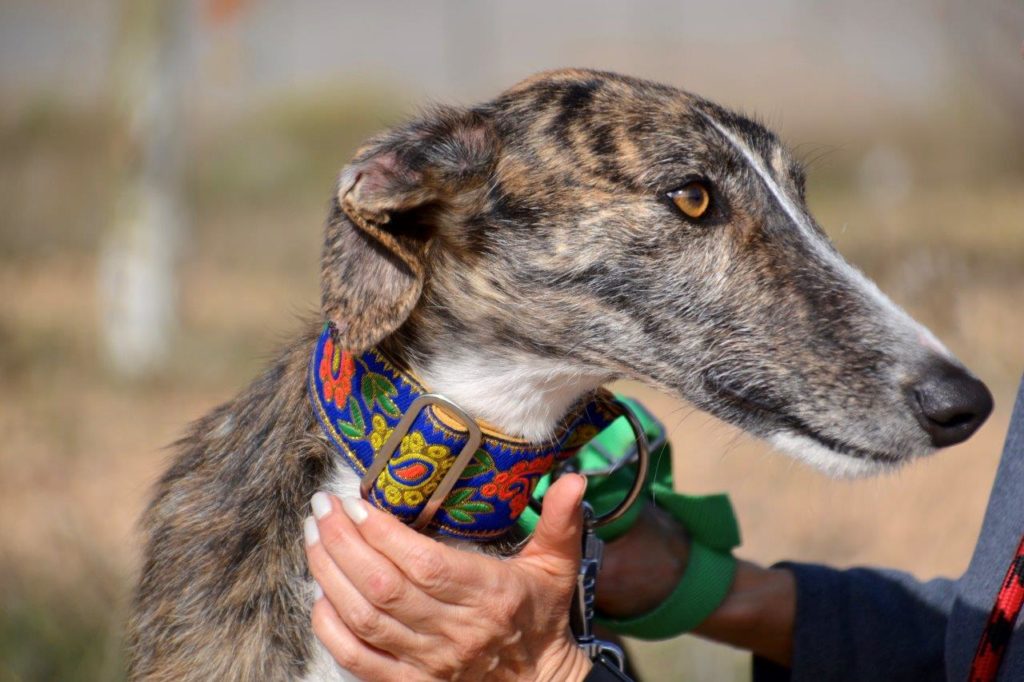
394	441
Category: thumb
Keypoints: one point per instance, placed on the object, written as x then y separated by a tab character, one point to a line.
556	541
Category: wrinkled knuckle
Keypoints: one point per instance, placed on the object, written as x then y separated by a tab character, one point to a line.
344	653
366	621
383	589
442	667
472	646
428	569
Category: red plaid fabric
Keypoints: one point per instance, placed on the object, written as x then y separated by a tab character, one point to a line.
999	627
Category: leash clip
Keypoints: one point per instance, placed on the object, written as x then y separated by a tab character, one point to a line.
391	445
581	618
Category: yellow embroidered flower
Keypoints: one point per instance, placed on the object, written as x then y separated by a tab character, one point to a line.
380	432
415	472
439	452
413	444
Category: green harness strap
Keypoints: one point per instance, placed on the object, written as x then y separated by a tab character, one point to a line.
709	520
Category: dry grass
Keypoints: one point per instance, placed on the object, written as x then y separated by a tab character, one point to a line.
80	448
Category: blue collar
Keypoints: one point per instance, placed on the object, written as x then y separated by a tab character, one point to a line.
359	401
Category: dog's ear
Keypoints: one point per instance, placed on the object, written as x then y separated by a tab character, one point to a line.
394	198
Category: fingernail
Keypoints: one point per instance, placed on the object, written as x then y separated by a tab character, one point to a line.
311	532
321	505
318	592
353	506
583	491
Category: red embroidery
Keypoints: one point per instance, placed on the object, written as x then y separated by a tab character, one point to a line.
413	473
516	484
336	370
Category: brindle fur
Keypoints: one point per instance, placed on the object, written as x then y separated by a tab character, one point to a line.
533	226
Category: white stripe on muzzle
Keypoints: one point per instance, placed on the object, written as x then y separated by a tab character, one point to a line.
799	218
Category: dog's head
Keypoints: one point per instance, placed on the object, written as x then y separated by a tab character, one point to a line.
621	228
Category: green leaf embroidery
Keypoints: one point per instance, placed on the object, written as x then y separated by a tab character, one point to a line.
369	393
484	458
472	471
480	464
357	414
355	429
351	430
479	507
377	389
457	497
461	508
460	516
388	405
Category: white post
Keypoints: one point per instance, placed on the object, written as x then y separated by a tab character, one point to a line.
139	255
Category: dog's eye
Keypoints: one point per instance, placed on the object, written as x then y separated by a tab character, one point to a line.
692	199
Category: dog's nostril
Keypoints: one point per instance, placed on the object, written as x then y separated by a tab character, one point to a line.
949	403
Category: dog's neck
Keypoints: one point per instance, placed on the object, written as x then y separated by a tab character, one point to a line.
521	395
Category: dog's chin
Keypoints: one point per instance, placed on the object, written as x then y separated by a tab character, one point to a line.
835	456
833	462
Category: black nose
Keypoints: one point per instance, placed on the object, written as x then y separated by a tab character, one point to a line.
949	403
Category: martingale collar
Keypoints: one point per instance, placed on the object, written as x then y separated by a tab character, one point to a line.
360	400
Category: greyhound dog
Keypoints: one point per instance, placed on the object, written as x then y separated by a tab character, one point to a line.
581	227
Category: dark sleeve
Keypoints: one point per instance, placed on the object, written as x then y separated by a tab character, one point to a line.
865	624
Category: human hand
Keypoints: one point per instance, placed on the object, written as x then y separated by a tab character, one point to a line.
397	605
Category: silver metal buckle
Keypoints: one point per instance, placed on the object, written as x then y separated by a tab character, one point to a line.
391	445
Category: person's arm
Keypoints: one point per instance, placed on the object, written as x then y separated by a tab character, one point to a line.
802	621
865	624
642	567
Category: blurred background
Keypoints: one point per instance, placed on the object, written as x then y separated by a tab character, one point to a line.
164	172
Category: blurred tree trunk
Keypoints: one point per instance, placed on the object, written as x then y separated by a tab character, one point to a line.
139	256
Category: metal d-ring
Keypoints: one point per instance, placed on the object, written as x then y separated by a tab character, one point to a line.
643	458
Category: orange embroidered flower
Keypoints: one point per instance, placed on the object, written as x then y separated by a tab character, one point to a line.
336	370
516	485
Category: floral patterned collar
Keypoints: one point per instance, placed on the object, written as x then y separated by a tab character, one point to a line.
359	400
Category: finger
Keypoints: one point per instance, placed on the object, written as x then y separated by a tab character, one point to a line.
365	620
372	573
556	541
444	573
353	654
